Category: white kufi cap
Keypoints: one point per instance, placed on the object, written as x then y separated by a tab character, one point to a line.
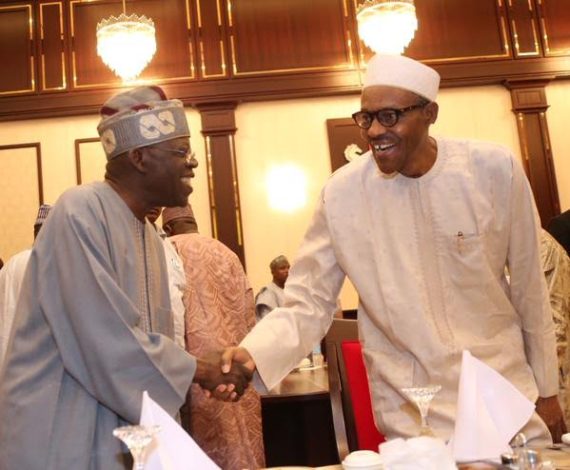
402	72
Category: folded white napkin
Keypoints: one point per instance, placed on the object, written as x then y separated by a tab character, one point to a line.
172	448
418	453
490	411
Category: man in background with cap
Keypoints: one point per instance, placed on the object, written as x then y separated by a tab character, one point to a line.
271	296
11	282
424	228
93	327
219	313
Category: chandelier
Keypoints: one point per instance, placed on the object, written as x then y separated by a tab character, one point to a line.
387	26
126	44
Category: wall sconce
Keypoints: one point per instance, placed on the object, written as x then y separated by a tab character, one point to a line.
387	26
126	44
286	188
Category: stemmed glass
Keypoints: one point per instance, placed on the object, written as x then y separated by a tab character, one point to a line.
137	438
422	397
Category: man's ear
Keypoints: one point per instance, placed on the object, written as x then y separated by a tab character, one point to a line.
137	158
431	112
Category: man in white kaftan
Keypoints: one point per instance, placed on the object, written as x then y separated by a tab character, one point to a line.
11	277
423	228
93	326
11	282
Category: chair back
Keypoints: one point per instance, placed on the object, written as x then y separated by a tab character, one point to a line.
353	418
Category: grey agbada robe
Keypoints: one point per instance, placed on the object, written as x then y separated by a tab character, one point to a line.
87	338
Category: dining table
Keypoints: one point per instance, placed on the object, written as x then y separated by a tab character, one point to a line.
558	455
297	420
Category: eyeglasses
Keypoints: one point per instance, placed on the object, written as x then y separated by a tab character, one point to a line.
187	155
388	117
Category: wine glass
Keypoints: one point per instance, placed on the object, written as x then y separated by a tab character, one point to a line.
422	397
137	438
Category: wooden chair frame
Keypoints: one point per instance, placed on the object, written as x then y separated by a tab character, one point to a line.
341	401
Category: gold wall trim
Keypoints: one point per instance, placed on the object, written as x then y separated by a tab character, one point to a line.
347	35
72	46
31	38
38	147
524	144
536	51
222	50
61	35
190	41
78	167
210	171
544	131
235	189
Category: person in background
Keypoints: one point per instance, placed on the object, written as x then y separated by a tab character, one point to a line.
93	327
176	277
11	282
424	228
559	228
219	313
556	267
271	296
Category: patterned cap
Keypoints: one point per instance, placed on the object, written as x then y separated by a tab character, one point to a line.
173	213
140	117
42	214
402	72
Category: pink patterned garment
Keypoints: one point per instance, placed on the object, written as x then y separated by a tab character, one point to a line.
219	313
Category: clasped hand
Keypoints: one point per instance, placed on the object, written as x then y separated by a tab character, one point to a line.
224	383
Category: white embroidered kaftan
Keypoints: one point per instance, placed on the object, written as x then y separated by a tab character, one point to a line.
11	276
427	256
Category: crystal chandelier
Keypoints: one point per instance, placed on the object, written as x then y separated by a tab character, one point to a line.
387	26
126	44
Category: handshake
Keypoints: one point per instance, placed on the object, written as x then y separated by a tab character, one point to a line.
225	375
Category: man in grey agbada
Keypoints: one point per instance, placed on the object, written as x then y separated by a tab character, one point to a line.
94	328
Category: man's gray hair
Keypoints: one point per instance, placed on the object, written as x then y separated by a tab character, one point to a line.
279	261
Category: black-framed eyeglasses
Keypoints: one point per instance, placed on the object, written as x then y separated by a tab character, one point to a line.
388	117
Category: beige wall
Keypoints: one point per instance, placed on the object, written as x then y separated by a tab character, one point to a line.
293	132
558	116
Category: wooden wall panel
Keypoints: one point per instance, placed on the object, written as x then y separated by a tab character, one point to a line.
211	39
530	105
21	194
276	36
218	129
554	21
524	28
442	27
174	59
252	50
342	132
52	46
16	49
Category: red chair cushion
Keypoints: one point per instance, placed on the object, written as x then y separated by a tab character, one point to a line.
367	434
